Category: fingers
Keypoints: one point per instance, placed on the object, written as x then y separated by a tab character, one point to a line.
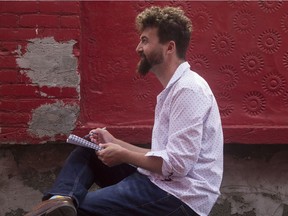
97	130
101	154
96	135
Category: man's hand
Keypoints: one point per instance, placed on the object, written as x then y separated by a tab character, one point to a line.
111	154
101	135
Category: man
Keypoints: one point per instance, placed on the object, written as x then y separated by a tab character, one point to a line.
182	172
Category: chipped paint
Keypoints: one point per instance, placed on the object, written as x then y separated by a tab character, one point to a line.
52	119
49	63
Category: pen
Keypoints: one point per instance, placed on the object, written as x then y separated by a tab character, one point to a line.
89	134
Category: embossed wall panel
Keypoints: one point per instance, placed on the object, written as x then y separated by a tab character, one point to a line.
239	47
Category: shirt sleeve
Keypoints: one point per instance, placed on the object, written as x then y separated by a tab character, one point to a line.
188	111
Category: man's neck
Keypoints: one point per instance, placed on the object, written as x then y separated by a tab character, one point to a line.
164	72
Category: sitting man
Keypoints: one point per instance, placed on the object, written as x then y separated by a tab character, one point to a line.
182	172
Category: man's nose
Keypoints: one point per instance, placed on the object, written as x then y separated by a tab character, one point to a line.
139	48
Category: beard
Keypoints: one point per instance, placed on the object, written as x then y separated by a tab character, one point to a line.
148	61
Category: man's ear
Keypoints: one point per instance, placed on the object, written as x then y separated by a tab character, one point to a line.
171	47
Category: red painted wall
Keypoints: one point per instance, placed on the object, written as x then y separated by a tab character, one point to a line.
240	48
19	23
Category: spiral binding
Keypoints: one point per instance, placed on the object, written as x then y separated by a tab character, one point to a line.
73	139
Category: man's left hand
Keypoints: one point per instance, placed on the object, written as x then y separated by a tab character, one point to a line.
111	154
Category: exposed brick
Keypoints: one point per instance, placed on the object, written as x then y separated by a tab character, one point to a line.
17	34
18	7
19	91
15	118
9	76
11	48
23	79
12	133
57	92
70	22
18	135
69	93
8	20
4	52
7	61
35	20
59	7
60	34
23	105
8	48
70	7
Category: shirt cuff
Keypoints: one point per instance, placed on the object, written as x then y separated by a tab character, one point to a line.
166	166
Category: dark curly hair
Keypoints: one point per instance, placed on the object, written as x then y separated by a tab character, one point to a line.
172	24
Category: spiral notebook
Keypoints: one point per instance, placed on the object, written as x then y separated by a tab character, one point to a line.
73	139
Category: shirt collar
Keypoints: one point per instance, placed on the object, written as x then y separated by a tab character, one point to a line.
178	73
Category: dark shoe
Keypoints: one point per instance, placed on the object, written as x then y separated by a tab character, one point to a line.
54	207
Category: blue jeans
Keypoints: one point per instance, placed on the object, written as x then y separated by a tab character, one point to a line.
124	191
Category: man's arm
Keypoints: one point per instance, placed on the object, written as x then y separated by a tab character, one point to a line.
131	147
103	136
116	151
113	154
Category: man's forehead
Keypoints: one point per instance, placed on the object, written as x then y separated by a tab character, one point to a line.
149	32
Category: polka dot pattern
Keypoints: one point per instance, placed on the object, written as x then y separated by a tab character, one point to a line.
187	134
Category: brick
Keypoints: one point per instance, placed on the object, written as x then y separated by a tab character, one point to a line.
37	20
19	7
12	134
69	93
7	61
59	7
15	118
70	22
23	105
23	79
18	91
17	34
4	52
49	92
56	92
9	76
70	7
8	20
49	7
11	48
8	48
61	34
19	135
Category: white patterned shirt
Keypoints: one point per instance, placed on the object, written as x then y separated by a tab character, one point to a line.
187	135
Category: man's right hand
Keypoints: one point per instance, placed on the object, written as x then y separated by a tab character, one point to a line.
100	135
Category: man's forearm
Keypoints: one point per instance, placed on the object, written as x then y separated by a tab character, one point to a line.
138	159
131	147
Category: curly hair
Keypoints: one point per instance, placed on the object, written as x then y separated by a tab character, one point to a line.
172	24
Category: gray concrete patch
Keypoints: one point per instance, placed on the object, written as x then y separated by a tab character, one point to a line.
52	119
50	63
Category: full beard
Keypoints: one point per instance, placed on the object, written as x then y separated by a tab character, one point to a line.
146	62
143	66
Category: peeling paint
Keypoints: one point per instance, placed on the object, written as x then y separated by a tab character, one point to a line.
52	119
49	63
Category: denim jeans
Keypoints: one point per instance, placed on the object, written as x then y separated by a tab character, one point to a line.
124	191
